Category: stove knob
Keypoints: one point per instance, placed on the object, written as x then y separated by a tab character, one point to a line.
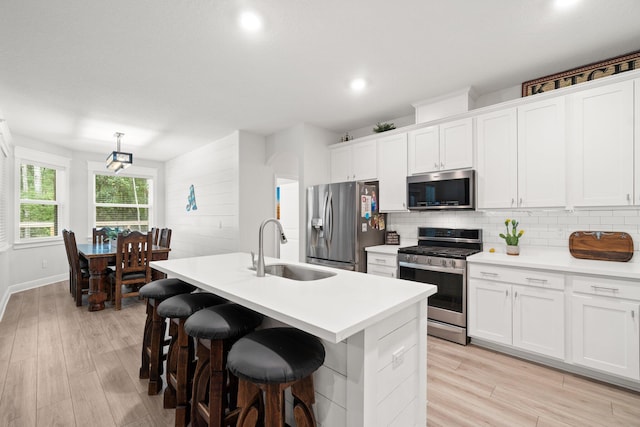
444	262
429	260
414	258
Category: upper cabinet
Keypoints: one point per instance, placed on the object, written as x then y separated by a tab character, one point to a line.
541	154
600	136
357	162
521	156
392	172
441	147
497	168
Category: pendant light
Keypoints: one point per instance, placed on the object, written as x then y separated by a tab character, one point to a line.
119	160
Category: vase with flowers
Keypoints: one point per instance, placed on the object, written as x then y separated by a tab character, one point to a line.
512	236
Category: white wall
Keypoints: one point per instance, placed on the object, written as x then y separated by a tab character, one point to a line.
233	190
542	228
25	263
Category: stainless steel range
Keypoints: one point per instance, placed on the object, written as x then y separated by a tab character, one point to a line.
440	259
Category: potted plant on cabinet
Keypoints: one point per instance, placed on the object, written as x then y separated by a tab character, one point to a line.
512	237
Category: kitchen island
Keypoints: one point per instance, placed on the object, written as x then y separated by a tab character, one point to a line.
373	328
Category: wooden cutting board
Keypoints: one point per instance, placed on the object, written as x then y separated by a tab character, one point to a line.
601	245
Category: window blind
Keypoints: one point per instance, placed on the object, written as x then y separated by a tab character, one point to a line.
122	202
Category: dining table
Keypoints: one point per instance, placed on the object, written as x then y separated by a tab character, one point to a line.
99	256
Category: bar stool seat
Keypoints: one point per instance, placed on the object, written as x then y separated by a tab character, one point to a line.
214	392
272	360
181	358
154	329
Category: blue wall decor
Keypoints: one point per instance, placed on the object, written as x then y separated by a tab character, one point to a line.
191	205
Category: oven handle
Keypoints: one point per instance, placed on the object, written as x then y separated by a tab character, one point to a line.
431	268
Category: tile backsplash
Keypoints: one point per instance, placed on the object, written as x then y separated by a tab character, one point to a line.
542	228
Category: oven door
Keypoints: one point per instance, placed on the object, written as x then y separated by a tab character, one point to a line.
449	304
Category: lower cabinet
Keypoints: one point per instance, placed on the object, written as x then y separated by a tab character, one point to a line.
382	264
605	334
524	317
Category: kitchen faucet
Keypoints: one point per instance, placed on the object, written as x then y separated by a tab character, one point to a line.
283	239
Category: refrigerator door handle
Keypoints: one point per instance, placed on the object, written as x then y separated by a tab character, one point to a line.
323	228
330	222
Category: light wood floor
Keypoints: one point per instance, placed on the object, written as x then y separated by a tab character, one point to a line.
63	366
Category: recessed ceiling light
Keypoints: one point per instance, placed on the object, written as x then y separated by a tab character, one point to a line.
358	85
565	4
250	22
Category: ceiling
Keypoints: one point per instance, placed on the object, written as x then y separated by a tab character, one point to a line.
176	74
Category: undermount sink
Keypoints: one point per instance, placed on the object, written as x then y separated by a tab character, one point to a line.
296	272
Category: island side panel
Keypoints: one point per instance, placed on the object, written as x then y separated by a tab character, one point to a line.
387	371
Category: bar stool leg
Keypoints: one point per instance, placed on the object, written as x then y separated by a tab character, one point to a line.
249	396
303	399
158	329
183	371
199	396
274	405
146	343
172	363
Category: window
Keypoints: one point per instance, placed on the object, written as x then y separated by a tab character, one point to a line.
41	189
4	191
122	202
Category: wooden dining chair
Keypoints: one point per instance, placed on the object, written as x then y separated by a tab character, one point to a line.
65	239
155	232
132	265
79	276
165	238
99	235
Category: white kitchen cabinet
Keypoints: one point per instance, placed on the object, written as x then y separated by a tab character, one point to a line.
382	264
541	154
392	173
354	162
442	147
497	168
489	310
637	142
605	327
605	335
538	320
517	307
601	146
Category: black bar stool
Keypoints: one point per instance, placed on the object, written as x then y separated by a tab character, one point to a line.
180	359
214	393
272	360
154	328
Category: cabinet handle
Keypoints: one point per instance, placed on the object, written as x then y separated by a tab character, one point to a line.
512	201
506	292
515	294
534	279
441	165
520	204
633	314
486	273
381	261
435	165
604	288
628	197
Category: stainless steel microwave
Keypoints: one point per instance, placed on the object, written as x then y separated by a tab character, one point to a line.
442	190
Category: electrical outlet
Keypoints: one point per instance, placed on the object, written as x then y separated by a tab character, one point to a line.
397	357
44	263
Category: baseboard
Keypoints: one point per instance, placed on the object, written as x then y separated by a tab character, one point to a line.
26	286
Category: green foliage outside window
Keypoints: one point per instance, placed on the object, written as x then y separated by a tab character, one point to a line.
122	202
38	202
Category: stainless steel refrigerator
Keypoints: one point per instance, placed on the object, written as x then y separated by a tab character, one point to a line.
343	219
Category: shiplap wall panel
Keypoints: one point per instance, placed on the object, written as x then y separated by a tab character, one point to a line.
214	227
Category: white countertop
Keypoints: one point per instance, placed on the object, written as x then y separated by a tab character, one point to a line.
332	309
391	249
559	259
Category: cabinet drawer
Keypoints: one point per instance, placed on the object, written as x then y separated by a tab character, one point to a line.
606	287
382	270
520	276
382	259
